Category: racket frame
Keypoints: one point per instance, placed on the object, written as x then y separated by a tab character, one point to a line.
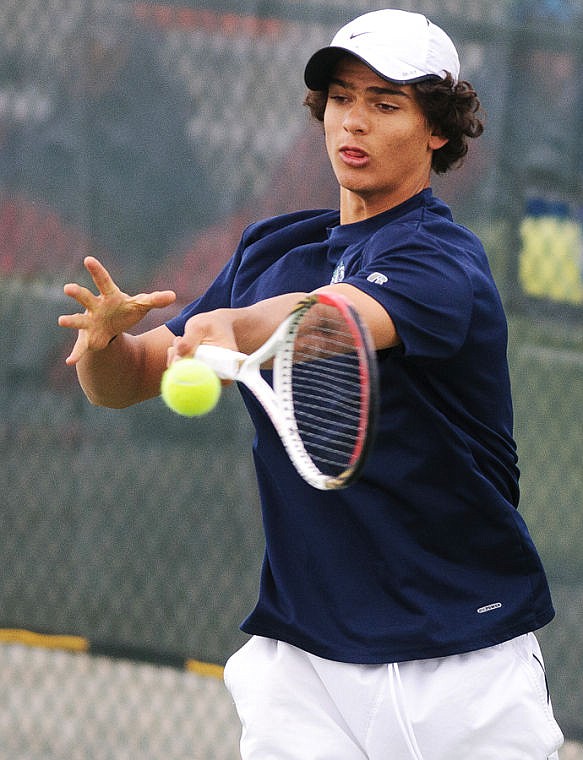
278	401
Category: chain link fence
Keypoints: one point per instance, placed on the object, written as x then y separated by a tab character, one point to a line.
149	134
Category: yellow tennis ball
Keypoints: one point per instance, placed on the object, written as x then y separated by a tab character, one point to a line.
190	387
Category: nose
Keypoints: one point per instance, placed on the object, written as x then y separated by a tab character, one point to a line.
355	119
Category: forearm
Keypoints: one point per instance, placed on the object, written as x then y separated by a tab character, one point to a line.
109	377
245	329
254	324
128	371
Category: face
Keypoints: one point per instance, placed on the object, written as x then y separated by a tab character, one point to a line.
378	141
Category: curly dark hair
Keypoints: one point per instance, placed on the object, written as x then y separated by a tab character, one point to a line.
451	109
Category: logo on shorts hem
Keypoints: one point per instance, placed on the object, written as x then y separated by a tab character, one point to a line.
489	608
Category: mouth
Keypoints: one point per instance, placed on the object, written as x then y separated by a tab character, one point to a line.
354	156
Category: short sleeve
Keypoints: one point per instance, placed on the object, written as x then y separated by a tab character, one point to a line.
425	288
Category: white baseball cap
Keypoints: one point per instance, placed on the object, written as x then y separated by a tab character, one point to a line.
400	46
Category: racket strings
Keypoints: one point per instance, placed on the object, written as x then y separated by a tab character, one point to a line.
309	391
328	398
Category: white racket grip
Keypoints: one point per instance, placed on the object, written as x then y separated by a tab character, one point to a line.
223	361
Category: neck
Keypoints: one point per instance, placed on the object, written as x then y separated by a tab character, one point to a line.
356	207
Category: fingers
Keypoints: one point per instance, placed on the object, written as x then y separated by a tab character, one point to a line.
171	355
110	312
215	328
102	280
81	294
79	350
73	321
183	346
180	349
101	277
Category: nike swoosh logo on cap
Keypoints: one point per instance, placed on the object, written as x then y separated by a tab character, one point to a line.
359	34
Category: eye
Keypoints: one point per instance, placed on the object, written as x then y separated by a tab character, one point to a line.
337	98
388	107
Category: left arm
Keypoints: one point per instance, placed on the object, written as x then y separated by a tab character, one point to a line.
372	313
246	329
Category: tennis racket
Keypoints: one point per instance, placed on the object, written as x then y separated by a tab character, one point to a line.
323	400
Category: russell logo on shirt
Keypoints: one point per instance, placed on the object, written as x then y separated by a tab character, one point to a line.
377	278
339	273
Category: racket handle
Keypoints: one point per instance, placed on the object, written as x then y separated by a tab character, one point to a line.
223	361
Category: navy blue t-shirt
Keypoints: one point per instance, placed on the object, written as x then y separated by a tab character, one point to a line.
426	554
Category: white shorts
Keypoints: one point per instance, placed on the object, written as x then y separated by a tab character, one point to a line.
491	704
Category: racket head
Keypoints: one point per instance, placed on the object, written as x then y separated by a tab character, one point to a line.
326	382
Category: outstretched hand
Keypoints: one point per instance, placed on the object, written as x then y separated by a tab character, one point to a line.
108	313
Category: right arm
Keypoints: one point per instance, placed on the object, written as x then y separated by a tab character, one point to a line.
127	371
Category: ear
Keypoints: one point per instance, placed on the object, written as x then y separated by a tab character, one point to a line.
437	141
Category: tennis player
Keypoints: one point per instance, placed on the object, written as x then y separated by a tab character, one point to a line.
395	618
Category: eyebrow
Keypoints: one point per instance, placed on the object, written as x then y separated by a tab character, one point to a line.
374	89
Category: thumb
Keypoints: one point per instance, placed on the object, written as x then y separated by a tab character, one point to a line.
159	299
